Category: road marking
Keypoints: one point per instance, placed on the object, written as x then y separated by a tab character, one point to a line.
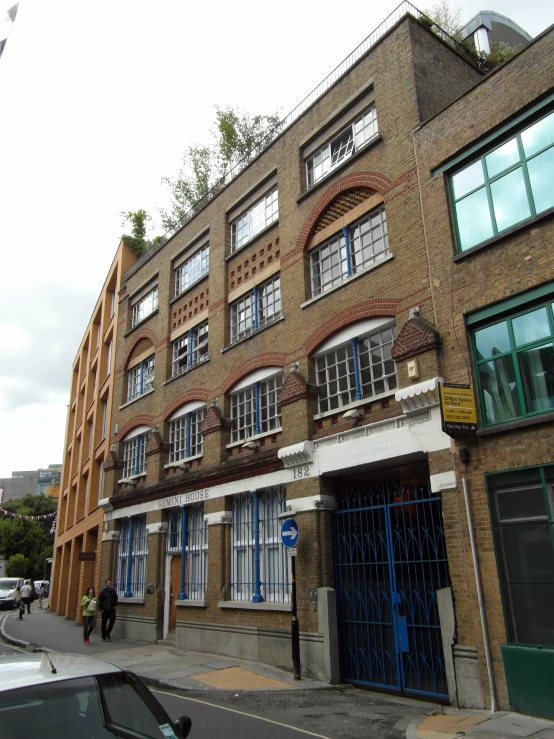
242	713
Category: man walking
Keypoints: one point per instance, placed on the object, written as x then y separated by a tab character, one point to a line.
26	594
107	601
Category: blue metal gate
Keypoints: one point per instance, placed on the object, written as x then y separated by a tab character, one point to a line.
390	559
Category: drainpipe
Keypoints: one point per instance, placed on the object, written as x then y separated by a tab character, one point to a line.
464	457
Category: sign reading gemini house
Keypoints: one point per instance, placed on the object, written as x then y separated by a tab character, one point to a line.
175	501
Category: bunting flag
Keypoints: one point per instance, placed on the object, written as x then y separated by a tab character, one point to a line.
27	518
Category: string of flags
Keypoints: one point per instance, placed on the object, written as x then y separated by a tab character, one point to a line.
27	518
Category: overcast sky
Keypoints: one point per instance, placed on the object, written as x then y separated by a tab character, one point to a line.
99	101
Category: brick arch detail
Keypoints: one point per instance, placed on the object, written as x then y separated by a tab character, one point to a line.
145	333
142	420
375	180
267	359
368	309
193	393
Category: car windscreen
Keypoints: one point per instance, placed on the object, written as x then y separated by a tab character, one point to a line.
7	584
98	707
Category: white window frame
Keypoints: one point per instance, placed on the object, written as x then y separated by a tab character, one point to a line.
255	405
192	270
183	358
185	434
342	146
255	309
145	306
109	361
140	378
253	221
139	557
134	452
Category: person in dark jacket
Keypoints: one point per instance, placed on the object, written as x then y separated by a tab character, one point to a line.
107	601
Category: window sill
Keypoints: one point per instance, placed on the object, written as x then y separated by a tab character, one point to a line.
356	404
189	603
187	371
132	601
516	424
185	291
504	235
252	240
347	281
140	323
254	333
246	605
374	141
254	438
127	480
130	402
183	461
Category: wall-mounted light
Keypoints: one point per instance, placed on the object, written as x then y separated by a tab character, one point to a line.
353	415
252	445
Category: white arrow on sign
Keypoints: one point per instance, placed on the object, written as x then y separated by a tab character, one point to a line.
292	532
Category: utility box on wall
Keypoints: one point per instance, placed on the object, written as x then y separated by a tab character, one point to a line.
530	676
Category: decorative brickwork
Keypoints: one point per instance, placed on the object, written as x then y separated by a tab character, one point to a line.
267	359
193	393
191	303
414	338
156	444
296	388
345	202
112	462
142	420
253	261
143	340
213	421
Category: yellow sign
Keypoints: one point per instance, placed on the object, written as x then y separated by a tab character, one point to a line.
457	408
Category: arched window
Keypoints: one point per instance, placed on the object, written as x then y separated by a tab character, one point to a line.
134	451
185	435
255	405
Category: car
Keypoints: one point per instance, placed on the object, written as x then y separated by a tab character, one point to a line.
53	694
9	591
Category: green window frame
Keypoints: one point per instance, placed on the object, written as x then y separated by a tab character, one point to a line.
514	360
507	185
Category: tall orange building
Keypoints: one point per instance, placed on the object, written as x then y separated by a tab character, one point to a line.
77	546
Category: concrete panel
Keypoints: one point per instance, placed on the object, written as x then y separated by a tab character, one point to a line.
468	680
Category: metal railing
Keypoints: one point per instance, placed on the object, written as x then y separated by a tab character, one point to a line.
404	9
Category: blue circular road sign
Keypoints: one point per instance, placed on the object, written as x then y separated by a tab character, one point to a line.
289	532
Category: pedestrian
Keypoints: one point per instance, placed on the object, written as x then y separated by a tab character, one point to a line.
26	594
88	602
41	594
107	601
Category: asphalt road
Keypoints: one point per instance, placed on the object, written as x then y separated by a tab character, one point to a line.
334	714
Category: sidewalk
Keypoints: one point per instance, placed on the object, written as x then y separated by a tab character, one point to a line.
453	724
159	665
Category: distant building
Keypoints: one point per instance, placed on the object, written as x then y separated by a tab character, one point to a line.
30	482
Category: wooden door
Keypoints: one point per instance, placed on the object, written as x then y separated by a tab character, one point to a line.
174	588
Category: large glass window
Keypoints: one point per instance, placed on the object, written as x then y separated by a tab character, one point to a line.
190	349
256	309
358	368
140	379
192	270
255	409
134	453
132	554
145	306
185	433
505	186
255	538
521	505
515	365
188	536
349	140
261	215
355	249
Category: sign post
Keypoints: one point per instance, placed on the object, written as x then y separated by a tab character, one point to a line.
289	537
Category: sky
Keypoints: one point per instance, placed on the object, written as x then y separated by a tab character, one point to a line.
98	102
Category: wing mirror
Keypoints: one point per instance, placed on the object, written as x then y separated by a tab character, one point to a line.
184	724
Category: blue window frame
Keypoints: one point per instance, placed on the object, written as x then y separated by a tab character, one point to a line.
185	433
260	566
190	349
132	556
507	185
255	408
140	379
256	309
134	454
188	536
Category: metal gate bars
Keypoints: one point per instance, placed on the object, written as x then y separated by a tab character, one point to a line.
390	559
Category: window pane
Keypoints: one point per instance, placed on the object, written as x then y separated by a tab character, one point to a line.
492	340
497	379
474	220
541	175
513	504
468	179
539	135
536	367
531	327
510	201
502	158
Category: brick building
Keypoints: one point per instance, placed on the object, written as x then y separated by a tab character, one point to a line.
321	275
486	166
80	518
